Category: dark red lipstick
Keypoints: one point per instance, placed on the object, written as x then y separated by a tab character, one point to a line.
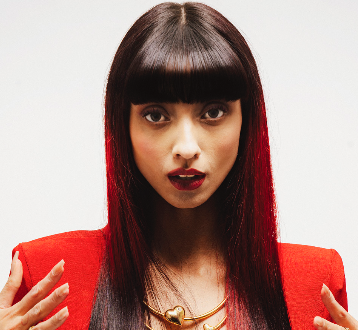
183	179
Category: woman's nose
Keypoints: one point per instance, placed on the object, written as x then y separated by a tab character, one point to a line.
186	144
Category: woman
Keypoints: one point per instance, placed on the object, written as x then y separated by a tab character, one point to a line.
191	208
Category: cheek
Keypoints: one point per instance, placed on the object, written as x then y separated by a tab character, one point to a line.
228	147
146	152
142	146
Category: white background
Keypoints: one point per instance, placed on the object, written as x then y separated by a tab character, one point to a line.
54	58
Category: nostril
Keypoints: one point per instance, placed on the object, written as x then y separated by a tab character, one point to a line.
187	158
187	149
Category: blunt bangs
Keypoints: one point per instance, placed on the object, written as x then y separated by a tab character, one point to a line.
191	62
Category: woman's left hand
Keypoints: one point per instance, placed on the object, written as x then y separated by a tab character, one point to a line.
343	319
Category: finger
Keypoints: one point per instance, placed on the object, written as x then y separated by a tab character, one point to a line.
338	313
13	283
42	288
322	324
45	306
54	322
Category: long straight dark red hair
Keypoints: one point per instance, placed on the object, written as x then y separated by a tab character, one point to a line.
190	53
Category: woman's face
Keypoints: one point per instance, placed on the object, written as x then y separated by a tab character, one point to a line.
185	151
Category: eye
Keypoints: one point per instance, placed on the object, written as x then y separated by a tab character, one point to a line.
154	116
215	112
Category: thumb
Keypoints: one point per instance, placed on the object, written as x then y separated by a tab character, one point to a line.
13	283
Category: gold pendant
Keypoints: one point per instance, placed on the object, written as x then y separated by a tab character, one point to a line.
175	315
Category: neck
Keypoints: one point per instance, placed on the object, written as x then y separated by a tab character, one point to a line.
187	238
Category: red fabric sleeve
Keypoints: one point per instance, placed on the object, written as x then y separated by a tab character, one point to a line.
304	270
82	252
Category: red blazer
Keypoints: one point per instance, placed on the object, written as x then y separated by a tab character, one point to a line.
304	270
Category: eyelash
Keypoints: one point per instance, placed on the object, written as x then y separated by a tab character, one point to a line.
152	111
219	107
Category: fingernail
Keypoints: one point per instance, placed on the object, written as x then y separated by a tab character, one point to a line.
55	271
62	263
16	255
325	290
318	321
63	313
64	290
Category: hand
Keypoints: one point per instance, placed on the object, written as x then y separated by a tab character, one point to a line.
34	306
343	319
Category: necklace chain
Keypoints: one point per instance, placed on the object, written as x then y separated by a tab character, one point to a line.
177	316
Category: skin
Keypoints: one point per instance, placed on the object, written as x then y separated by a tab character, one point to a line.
35	305
204	136
201	136
185	136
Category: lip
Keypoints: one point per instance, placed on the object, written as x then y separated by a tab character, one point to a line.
183	171
187	183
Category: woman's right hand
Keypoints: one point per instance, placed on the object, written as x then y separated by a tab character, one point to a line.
35	305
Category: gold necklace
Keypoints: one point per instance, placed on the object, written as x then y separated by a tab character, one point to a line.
177	316
205	326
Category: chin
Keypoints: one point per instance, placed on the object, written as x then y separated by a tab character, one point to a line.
185	205
186	201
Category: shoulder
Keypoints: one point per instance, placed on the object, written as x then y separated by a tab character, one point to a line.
81	236
78	237
295	253
76	248
304	270
82	252
311	264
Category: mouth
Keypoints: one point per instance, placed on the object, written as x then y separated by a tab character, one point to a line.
183	179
